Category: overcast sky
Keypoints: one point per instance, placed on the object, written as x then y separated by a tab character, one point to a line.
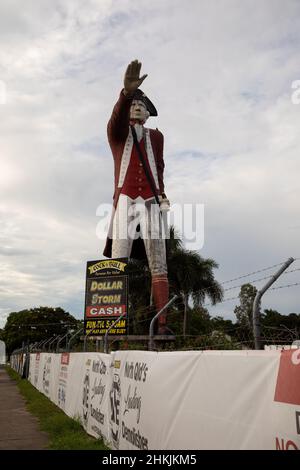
220	74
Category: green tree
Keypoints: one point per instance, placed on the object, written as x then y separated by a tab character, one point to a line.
243	312
280	328
220	324
191	277
271	318
244	316
29	326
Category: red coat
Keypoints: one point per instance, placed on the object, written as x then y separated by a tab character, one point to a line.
135	182
117	132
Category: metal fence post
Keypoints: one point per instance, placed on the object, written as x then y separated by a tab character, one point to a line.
86	336
47	341
72	337
105	348
41	343
151	329
60	340
256	303
51	342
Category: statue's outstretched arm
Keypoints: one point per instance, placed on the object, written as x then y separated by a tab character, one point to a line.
117	128
132	79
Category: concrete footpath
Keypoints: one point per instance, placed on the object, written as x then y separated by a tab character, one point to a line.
18	428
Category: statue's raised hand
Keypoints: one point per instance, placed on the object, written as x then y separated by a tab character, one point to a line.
132	79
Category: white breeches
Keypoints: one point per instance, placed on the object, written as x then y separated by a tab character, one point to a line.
128	215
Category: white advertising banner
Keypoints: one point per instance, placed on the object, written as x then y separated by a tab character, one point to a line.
2	353
95	388
134	414
17	362
78	383
178	400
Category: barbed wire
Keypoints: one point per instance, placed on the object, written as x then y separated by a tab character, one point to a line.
251	274
238	346
213	288
224	340
250	282
271	288
260	279
291	271
221	302
288	285
277	331
46	324
146	309
207	288
239	277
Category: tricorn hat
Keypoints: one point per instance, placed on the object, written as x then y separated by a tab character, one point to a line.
140	95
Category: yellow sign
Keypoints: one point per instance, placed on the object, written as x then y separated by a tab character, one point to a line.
106	264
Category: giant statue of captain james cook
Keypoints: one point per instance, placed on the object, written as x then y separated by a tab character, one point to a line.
139	171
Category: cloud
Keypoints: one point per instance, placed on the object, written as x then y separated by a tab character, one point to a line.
220	73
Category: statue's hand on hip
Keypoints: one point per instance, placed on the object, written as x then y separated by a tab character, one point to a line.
132	79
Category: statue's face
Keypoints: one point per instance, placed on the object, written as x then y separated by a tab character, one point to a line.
138	111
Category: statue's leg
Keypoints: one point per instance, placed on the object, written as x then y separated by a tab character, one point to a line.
121	241
155	247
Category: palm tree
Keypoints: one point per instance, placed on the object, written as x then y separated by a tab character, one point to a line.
191	276
138	293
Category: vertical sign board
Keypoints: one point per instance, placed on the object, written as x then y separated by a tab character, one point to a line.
106	297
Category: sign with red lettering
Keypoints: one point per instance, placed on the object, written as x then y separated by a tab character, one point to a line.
106	297
65	358
288	379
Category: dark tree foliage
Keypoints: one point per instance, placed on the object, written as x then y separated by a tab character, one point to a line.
191	277
35	324
283	328
243	311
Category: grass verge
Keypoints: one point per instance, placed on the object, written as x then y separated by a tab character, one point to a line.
64	433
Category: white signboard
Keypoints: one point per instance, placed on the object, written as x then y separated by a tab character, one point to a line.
2	353
178	400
